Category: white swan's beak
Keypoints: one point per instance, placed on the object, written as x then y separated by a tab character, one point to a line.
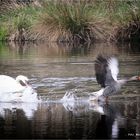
24	83
28	83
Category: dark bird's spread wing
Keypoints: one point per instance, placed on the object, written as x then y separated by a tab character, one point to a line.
100	70
103	72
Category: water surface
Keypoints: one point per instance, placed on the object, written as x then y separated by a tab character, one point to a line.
58	69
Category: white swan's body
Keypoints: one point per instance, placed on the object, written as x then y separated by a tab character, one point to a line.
9	84
16	89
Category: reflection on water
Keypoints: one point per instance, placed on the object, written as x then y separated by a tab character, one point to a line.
77	120
58	70
27	108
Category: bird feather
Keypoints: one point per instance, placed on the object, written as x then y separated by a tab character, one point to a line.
113	66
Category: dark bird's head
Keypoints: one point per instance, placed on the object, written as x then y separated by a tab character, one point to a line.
135	78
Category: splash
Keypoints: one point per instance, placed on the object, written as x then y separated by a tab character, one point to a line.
96	95
77	104
69	97
29	95
96	107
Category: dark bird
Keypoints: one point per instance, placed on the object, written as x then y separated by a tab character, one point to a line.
106	71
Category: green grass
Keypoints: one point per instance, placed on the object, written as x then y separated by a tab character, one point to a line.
127	19
71	21
17	19
3	33
79	21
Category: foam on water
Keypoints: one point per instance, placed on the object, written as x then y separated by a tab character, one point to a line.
29	95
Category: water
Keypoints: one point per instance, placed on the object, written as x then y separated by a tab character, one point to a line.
63	76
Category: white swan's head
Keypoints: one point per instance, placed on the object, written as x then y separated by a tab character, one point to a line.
22	80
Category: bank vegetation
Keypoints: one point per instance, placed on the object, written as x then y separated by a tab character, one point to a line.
70	20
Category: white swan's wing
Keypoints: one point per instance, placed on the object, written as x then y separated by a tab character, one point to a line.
113	66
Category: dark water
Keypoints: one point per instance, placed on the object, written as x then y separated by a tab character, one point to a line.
55	70
69	121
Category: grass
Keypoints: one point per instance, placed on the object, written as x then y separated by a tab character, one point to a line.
77	21
69	21
3	33
129	29
19	18
125	18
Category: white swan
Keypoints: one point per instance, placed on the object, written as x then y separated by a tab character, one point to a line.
16	89
11	85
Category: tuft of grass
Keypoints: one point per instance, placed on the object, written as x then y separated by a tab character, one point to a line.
22	21
3	33
69	21
18	18
125	19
